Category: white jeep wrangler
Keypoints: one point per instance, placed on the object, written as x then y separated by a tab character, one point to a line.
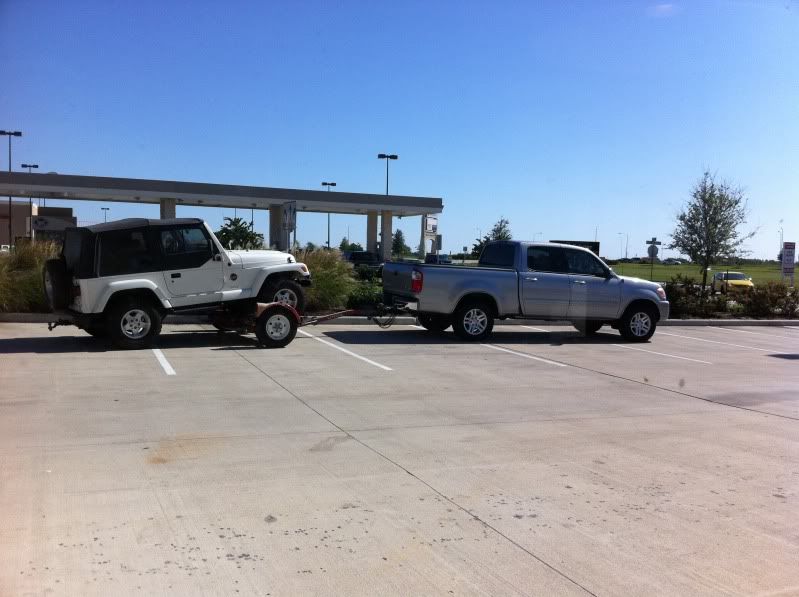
120	279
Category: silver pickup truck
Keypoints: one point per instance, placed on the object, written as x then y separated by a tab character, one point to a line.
524	280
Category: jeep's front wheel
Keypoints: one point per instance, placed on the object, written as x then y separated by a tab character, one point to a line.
284	291
133	323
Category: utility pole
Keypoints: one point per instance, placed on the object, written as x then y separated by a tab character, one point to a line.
30	200
10	229
328	185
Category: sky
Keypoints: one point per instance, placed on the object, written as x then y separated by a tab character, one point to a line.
570	119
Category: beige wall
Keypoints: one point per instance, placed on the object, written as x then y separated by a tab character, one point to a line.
20	213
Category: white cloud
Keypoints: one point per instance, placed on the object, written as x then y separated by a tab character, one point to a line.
662	11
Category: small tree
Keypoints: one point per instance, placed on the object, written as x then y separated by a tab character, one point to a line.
309	246
707	228
236	233
501	230
398	246
344	245
479	245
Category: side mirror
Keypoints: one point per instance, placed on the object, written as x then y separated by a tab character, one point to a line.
217	257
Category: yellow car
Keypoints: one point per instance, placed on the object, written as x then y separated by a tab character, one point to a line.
731	282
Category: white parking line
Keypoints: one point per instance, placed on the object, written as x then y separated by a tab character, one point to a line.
663	354
524	355
726	329
717	342
345	351
164	363
529	327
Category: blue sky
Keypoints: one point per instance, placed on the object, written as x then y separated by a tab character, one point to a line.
565	118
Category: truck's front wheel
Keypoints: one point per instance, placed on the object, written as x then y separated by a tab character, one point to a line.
473	321
133	323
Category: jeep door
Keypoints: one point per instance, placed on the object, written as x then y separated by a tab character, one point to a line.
193	271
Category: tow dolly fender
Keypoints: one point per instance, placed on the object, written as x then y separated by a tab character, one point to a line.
261	307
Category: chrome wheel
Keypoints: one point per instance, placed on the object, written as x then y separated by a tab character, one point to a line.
135	324
640	324
286	296
475	322
278	327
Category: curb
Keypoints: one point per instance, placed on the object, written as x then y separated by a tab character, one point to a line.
406	320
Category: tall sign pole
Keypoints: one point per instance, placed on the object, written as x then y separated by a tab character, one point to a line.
652	251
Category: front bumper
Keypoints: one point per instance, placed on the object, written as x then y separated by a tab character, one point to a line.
663	309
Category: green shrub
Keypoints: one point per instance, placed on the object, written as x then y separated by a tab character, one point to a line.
365	294
366	273
687	299
21	279
770	299
331	277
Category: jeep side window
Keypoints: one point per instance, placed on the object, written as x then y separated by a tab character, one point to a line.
123	252
185	248
584	264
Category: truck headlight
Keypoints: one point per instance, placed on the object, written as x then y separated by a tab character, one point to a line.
661	293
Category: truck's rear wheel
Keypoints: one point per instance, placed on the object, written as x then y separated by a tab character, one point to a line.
276	327
435	323
284	291
133	323
473	321
638	323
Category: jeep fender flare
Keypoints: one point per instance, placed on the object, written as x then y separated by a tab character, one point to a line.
113	288
289	270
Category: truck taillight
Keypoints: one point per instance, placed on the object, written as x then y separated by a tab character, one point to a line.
417	279
75	291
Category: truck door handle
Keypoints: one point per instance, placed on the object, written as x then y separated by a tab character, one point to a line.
176	275
531	279
579	281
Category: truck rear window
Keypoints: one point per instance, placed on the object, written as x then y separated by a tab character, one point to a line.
498	255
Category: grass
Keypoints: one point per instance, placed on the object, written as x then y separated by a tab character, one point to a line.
760	273
21	279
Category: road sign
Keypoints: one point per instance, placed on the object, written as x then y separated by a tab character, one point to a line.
431	224
652	251
290	216
788	258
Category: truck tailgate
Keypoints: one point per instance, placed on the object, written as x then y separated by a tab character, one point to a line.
397	279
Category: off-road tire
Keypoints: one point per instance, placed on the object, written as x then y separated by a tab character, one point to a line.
276	327
277	291
125	313
55	280
473	321
435	323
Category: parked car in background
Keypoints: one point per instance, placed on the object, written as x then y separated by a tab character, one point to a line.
731	282
671	261
366	258
440	259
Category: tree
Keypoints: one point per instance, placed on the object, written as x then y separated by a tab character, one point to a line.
236	233
398	246
500	231
309	246
346	246
707	227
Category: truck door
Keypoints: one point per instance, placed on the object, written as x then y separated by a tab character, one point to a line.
595	294
192	272
545	286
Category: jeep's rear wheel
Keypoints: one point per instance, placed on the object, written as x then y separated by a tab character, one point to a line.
133	323
56	284
284	291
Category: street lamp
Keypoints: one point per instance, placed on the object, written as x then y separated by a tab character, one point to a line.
387	157
328	185
105	213
621	246
30	200
10	134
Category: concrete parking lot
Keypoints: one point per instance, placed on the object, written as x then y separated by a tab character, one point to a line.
361	461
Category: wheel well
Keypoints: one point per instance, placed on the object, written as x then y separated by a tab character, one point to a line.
480	297
139	293
644	304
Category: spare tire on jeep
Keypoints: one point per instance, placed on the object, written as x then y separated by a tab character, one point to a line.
56	284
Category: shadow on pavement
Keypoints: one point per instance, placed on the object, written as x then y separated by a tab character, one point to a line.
84	343
389	336
787	356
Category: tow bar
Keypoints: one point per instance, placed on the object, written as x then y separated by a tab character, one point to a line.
382	315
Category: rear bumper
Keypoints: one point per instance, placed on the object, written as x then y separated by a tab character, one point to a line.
70	317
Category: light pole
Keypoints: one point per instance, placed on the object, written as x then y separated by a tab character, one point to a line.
621	246
105	213
10	134
30	200
328	185
387	157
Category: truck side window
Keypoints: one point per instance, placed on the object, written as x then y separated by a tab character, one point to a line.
498	255
185	248
546	259
125	252
584	264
